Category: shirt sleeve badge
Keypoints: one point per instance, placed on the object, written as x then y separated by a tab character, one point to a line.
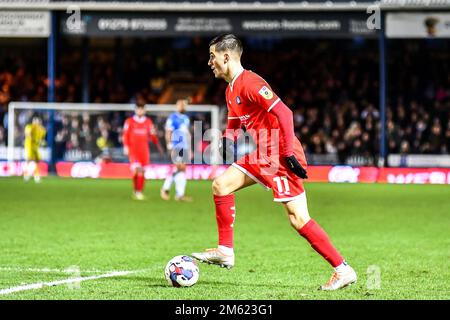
266	93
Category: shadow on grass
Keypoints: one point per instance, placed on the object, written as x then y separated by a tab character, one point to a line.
161	283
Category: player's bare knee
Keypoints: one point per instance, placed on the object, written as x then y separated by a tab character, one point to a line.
298	212
298	221
219	187
298	215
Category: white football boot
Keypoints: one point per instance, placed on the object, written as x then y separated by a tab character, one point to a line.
138	196
215	256
340	279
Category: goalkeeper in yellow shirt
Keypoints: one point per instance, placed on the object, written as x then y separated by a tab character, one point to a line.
34	136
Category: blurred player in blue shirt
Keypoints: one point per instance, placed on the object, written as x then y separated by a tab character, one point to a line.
178	145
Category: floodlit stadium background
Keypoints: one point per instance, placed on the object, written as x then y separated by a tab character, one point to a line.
369	86
369	83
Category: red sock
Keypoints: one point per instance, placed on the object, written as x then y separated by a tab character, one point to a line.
225	214
135	182
320	242
140	182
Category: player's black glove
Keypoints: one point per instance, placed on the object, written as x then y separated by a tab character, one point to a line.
296	167
226	150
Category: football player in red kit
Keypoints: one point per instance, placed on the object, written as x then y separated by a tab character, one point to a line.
278	163
137	132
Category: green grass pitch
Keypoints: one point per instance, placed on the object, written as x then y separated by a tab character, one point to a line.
396	237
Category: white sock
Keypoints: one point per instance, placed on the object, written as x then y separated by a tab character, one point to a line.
342	267
226	250
32	168
29	169
180	183
168	182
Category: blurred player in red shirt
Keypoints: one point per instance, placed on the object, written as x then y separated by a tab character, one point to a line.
278	163
137	132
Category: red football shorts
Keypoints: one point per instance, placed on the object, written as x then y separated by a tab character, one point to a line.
138	160
272	173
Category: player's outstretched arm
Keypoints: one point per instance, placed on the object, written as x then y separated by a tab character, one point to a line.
160	149
286	122
153	136
155	140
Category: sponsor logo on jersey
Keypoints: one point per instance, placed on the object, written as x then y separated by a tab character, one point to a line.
238	100
244	118
140	131
266	93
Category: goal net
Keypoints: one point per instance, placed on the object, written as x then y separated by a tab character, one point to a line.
92	132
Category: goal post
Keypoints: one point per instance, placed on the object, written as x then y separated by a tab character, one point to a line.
23	110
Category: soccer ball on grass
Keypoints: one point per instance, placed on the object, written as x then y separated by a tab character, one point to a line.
182	271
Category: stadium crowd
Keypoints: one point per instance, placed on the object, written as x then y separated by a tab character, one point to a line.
331	85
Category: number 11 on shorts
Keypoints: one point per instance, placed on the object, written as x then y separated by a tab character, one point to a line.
283	188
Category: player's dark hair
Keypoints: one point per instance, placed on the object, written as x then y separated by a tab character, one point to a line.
431	22
140	101
227	42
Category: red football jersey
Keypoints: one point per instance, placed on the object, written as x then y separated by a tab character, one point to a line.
137	132
250	99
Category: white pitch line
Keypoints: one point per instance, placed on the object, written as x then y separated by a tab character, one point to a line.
41	285
49	270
